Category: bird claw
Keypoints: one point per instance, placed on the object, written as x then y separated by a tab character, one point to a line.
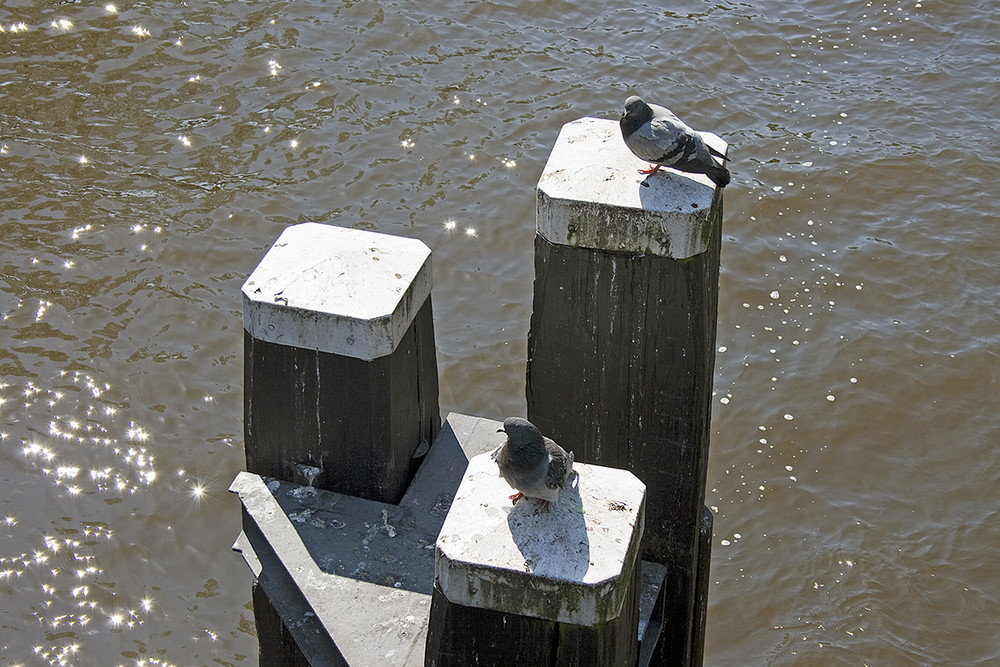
515	497
653	169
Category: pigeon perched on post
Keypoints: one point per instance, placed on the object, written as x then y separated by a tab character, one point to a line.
532	464
656	135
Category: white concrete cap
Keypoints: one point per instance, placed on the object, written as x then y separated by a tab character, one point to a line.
338	290
591	195
570	563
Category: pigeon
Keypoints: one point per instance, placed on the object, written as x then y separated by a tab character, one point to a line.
656	135
532	464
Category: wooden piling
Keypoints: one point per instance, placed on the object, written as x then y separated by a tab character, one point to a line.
621	347
538	585
340	371
701	586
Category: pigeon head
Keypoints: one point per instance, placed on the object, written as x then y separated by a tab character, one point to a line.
521	433
637	113
634	104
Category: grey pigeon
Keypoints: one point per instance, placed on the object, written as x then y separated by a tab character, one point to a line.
656	135
532	464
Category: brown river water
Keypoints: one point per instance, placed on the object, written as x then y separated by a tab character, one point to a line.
151	151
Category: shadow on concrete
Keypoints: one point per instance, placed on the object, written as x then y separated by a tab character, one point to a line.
552	537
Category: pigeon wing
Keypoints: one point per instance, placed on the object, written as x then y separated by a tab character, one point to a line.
560	464
658	140
716	153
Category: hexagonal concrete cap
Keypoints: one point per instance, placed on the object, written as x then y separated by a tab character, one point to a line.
591	195
339	290
571	562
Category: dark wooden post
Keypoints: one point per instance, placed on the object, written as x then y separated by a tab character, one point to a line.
339	363
701	588
621	348
529	585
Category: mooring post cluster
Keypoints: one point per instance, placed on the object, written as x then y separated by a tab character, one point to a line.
379	535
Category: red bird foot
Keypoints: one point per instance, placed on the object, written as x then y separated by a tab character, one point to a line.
515	497
653	169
